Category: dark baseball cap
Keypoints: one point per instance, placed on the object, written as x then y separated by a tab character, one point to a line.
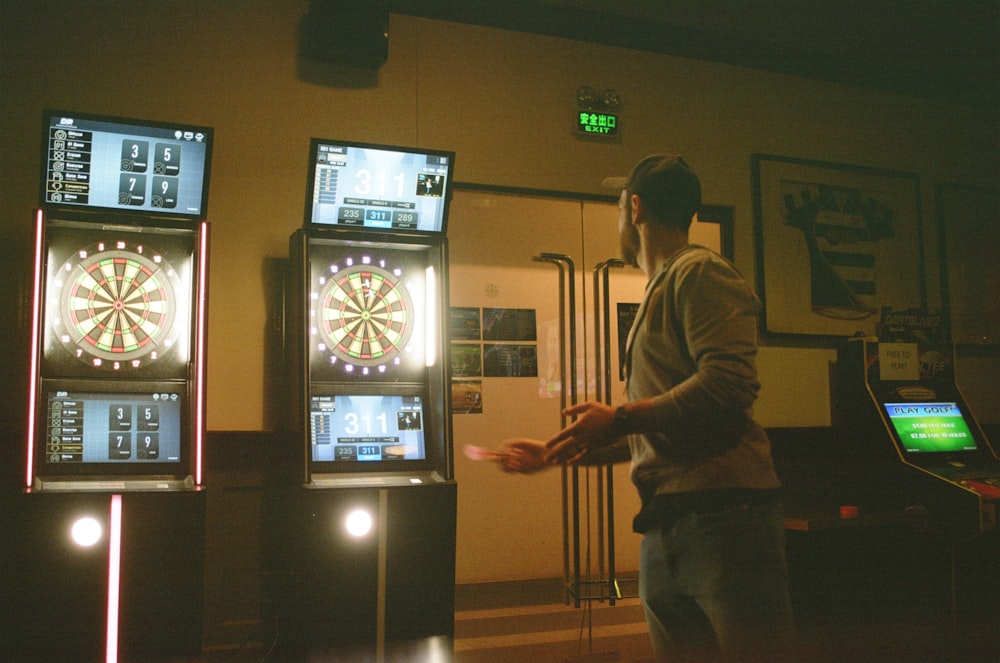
666	184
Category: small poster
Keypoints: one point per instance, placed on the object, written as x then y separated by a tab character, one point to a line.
464	324
509	324
466	397
510	361
466	360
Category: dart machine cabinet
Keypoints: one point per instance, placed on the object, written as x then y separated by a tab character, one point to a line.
362	549
104	545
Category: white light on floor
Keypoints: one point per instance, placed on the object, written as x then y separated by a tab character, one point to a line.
86	532
358	523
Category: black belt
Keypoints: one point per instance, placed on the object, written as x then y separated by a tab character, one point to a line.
666	508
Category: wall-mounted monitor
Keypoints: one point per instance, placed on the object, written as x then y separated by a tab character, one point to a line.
104	163
378	188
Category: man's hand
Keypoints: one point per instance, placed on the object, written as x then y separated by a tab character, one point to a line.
522	455
589	433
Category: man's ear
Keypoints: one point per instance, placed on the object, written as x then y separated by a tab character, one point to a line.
638	210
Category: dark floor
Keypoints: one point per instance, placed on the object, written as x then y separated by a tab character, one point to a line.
531	622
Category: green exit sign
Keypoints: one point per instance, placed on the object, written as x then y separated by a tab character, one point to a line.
597	124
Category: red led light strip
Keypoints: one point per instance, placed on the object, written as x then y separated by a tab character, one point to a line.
114	577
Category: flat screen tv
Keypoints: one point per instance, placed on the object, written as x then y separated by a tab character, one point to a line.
105	163
378	188
108	429
939	427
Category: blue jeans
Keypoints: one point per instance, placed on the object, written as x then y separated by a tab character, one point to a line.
714	586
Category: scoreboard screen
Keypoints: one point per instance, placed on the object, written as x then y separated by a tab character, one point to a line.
110	428
366	428
377	187
137	166
103	428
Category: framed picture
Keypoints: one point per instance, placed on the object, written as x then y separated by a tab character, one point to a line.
835	245
968	219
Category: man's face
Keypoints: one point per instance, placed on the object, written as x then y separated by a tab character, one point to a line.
628	233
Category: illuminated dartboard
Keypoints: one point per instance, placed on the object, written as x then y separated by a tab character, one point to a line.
117	306
363	316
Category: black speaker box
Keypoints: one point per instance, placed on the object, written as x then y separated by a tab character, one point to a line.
347	32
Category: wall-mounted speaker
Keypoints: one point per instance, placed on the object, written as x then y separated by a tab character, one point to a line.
347	32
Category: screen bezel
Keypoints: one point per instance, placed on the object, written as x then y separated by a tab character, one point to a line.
430	462
979	447
50	115
133	469
308	217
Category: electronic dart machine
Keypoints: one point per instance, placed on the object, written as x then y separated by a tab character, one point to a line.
367	554
117	395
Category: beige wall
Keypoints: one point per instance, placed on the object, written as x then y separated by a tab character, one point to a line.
501	100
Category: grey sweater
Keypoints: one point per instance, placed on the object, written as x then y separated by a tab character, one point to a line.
692	349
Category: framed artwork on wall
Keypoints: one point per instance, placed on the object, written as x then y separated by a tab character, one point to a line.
834	245
968	220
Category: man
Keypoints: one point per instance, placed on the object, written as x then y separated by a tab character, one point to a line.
712	572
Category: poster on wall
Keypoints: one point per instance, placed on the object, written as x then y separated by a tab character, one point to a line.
835	244
506	360
466	360
466	397
513	355
464	324
509	324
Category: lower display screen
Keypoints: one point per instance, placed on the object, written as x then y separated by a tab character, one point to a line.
122	428
931	427
366	428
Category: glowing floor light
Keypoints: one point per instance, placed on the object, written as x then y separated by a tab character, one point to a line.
86	531
358	523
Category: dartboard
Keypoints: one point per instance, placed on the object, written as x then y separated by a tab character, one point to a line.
364	315
117	306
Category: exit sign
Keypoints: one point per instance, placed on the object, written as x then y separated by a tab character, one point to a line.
597	124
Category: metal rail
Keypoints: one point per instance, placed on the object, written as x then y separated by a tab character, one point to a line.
570	476
577	588
602	362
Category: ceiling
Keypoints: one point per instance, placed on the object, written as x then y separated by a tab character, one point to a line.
935	49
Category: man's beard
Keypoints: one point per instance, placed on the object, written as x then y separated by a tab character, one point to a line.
629	240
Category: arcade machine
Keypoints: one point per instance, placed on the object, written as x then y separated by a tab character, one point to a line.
367	546
905	393
924	456
108	559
